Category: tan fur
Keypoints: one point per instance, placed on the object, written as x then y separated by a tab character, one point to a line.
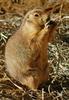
26	51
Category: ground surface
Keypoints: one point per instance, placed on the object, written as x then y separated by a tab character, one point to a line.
57	87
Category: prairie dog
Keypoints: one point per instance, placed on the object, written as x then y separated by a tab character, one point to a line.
26	51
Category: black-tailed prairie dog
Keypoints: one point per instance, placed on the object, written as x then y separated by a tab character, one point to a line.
26	51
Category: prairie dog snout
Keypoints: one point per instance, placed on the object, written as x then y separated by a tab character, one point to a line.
26	54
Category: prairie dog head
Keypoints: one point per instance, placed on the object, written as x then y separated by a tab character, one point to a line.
34	21
35	17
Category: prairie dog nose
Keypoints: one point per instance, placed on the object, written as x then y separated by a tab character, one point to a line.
45	18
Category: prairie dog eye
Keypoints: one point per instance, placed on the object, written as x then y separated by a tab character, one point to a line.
36	15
